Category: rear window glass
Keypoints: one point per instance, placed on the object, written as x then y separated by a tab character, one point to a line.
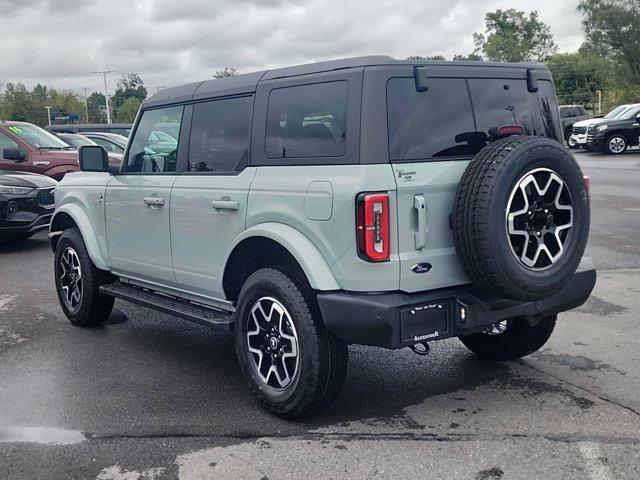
307	121
427	124
458	117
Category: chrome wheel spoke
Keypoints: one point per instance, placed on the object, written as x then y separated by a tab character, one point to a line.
539	218
273	343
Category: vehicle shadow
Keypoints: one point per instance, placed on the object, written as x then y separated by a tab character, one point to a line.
22	245
190	382
145	373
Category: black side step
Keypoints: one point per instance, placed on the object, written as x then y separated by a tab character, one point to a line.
210	317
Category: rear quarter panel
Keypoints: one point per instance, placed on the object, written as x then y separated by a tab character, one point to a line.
279	194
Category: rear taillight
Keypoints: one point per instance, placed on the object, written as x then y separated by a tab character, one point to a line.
587	183
373	226
508	130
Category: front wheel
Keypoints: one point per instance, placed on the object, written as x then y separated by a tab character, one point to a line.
616	145
571	143
293	365
510	339
78	281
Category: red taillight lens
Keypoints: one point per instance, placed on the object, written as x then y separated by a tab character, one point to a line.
587	183
507	130
373	226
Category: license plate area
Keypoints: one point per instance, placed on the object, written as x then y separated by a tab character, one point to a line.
426	321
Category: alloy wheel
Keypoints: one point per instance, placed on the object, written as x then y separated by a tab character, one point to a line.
273	343
617	145
71	278
539	218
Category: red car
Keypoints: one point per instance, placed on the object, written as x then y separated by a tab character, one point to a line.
26	147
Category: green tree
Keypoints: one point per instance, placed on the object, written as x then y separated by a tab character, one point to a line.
612	28
94	101
472	57
514	36
17	103
578	76
432	57
128	110
225	72
129	86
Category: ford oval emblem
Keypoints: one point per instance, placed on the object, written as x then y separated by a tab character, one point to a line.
422	267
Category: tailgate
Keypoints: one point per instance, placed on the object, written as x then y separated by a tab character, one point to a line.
425	194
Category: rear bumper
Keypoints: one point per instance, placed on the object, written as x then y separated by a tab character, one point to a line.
397	319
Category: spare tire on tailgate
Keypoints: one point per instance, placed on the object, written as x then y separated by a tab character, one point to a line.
521	218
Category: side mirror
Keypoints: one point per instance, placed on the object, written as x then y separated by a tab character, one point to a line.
13	153
638	118
93	158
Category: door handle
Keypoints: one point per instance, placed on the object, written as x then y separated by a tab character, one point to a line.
420	236
154	201
225	204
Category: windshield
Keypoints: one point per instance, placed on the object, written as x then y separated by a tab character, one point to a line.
157	136
630	113
77	140
616	111
39	138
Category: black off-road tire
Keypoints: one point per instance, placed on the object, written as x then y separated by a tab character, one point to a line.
479	220
94	308
518	340
323	357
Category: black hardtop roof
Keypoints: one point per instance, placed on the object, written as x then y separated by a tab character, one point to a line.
246	83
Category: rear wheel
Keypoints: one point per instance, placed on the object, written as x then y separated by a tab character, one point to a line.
510	339
78	281
616	145
293	365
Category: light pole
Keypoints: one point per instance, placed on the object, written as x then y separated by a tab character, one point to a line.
106	94
599	101
48	114
86	105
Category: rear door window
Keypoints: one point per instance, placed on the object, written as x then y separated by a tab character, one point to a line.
307	121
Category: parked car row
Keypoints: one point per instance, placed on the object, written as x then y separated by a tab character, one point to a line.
123	129
32	161
612	134
26	203
28	148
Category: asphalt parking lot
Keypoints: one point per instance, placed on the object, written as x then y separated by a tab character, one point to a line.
148	396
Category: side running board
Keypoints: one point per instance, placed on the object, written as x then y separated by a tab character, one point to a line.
210	317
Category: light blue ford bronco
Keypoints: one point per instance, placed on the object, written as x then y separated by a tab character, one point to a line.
361	201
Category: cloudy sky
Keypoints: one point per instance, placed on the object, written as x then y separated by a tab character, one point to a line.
169	42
